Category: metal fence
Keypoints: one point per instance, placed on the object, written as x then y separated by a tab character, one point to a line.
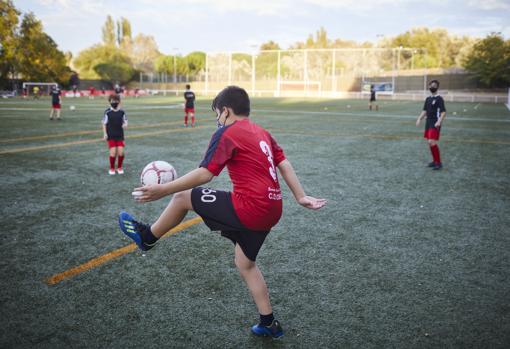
322	73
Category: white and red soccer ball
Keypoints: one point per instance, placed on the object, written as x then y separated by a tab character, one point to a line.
158	172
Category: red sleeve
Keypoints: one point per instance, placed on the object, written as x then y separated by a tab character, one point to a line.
278	154
221	149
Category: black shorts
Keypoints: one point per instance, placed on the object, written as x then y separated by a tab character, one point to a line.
216	209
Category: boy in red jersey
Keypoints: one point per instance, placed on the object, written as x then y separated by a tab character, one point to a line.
114	123
189	107
435	112
245	215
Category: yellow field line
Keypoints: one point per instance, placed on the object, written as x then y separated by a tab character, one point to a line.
87	141
78	133
95	262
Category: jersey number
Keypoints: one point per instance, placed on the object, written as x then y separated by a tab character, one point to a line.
267	151
207	195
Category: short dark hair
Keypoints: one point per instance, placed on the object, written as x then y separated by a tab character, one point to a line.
114	97
434	82
188	86
233	97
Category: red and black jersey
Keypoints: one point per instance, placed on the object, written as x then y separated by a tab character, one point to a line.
114	119
434	106
189	96
55	96
251	156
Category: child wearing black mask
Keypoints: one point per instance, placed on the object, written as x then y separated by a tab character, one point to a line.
435	112
114	123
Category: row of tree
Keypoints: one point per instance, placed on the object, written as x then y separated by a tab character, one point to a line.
27	52
120	57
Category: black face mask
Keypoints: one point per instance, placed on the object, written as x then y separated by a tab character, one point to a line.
433	89
114	105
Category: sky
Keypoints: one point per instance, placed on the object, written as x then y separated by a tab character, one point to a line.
184	26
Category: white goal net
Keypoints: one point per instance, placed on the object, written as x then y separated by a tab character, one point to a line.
33	88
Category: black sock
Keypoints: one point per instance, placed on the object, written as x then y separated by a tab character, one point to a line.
147	236
266	320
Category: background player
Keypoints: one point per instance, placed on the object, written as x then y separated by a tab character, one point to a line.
435	111
373	100
189	107
36	92
245	215
114	123
56	102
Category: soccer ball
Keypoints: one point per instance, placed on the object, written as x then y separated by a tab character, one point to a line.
158	172
72	107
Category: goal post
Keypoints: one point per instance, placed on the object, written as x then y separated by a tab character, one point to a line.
29	86
508	99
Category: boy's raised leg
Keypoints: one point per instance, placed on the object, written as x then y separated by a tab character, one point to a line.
173	214
146	236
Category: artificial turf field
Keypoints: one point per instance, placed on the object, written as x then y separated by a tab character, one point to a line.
401	257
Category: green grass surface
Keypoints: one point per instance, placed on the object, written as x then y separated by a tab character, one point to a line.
402	256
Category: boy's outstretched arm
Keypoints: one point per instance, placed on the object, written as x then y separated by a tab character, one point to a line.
290	177
190	180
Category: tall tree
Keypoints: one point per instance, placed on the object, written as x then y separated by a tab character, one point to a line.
143	51
126	28
109	32
439	49
489	60
39	58
123	31
195	62
320	41
103	62
115	70
8	40
270	45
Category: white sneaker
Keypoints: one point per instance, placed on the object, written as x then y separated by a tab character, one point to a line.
120	170
111	172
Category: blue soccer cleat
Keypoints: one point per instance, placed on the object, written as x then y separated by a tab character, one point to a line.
437	166
133	230
274	330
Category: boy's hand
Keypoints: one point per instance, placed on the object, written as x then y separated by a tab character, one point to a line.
105	137
150	192
311	202
437	124
418	122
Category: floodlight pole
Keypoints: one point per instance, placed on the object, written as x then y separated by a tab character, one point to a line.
393	74
175	71
206	73
175	66
305	58
278	78
333	72
254	47
425	75
253	73
230	68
